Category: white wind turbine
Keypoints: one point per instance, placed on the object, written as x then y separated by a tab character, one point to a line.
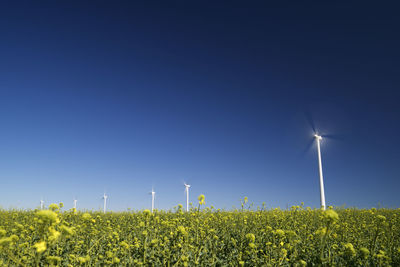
153	195
187	186
321	177
75	200
41	204
105	202
318	137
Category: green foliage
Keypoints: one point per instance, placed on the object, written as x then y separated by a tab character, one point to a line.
206	237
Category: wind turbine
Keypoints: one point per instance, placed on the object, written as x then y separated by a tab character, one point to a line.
318	138
105	202
41	204
75	200
187	186
321	177
153	195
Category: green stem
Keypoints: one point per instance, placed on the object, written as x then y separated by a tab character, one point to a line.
324	241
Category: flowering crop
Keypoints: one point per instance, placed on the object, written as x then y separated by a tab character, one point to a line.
205	237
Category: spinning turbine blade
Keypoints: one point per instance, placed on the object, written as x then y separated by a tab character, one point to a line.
310	121
308	147
338	137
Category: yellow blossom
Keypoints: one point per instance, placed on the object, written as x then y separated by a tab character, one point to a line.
40	246
201	199
48	216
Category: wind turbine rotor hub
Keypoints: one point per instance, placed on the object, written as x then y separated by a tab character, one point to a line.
318	137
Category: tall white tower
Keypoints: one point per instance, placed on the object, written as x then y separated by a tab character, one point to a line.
187	186
321	177
153	194
105	202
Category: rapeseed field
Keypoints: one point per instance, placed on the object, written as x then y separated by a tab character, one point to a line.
205	236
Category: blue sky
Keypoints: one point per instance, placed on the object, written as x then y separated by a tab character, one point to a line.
124	96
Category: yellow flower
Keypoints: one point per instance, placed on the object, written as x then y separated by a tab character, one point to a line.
67	230
154	242
2	232
5	241
302	263
364	252
54	234
48	216
124	245
321	231
381	218
53	260
251	237
54	207
279	232
146	212
109	254
182	230
331	216
201	199
86	216
40	246
82	259
14	238
349	250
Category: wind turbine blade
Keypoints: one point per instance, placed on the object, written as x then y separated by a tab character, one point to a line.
310	120
308	147
338	137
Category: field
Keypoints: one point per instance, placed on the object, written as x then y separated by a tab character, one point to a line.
204	237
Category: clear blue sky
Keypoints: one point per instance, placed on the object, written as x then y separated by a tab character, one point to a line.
122	96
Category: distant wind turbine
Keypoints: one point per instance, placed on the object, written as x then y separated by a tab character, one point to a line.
105	202
153	195
41	204
187	186
75	200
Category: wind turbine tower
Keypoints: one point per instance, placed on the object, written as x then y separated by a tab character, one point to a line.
153	195
41	204
105	202
321	178
75	200
187	186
